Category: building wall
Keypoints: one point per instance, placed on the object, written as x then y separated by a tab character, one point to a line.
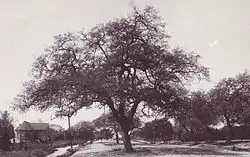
32	135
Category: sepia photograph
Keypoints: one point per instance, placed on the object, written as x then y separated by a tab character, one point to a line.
125	78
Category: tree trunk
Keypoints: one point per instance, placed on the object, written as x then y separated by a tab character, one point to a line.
164	139
116	133
70	133
126	141
125	125
229	130
229	134
116	137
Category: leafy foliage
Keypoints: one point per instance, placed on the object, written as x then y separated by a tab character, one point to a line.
57	132
103	134
157	129
231	100
6	125
6	130
108	121
124	63
199	113
83	130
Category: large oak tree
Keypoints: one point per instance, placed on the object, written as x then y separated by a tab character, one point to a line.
122	64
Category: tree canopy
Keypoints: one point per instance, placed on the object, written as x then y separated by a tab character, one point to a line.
199	113
230	98
6	130
157	129
84	130
6	124
121	64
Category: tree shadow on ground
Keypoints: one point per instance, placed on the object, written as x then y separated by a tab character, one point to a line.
161	151
224	143
189	151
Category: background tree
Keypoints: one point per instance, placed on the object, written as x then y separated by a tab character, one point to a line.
147	132
201	109
199	115
57	132
163	129
84	130
6	130
192	112
103	134
157	129
121	64
230	98
6	121
108	121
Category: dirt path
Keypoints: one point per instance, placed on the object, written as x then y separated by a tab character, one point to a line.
96	147
61	151
106	149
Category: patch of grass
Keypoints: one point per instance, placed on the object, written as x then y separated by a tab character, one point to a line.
121	152
232	142
154	151
189	151
29	153
40	150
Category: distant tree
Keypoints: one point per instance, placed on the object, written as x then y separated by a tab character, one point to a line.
163	129
157	129
6	121
208	134
147	132
230	98
180	132
201	109
56	127
6	130
199	115
108	121
57	132
84	130
121	64
104	134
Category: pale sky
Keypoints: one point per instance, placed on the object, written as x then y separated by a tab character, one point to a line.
218	30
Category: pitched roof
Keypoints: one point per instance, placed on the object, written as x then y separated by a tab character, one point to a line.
39	126
26	126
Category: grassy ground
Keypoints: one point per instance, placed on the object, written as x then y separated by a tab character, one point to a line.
58	144
107	149
28	153
39	150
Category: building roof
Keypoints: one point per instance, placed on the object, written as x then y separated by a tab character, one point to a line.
27	126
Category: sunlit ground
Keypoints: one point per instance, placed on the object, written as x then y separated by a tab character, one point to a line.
109	148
